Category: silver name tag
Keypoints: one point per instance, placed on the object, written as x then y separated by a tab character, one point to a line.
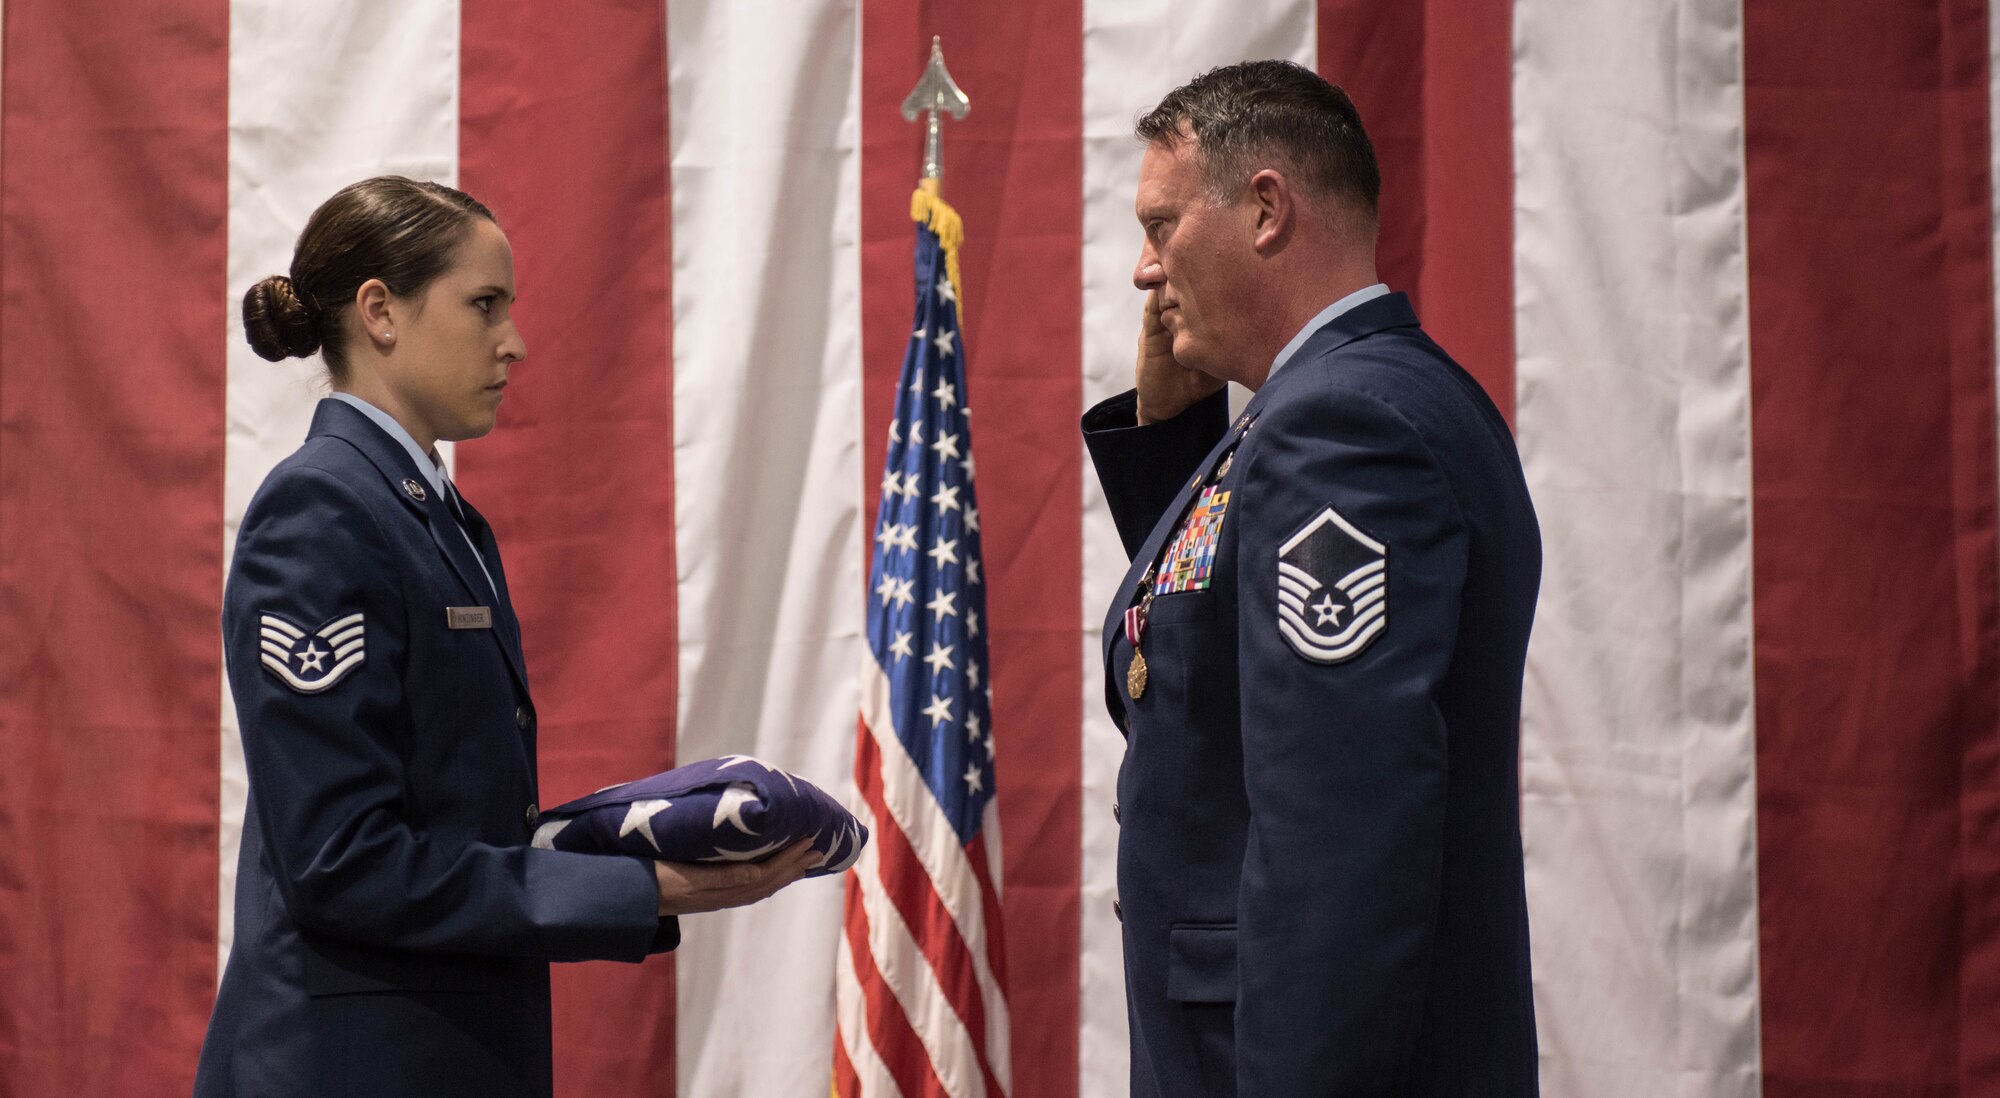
469	617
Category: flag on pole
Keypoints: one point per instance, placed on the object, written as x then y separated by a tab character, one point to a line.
921	981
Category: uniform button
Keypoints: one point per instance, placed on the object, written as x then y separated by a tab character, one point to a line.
521	717
1118	910
533	813
1114	813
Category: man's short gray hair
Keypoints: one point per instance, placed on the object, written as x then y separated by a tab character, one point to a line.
1261	114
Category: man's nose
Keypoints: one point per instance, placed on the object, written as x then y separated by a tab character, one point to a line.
1148	275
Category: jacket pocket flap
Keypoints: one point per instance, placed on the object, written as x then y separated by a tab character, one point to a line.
1201	964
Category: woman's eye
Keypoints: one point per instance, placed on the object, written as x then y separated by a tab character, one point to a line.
485	303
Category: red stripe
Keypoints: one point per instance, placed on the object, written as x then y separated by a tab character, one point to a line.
989	902
1014	170
112	273
889	1029
909	887
564	134
1436	96
846	1081
1875	552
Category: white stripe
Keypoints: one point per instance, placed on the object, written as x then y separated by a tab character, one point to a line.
281	627
327	630
851	1011
280	651
334	674
912	980
1370	599
1368	569
931	835
1334	517
1338	647
342	651
1637	754
1365	586
344	635
1132	56
1288	584
764	131
319	96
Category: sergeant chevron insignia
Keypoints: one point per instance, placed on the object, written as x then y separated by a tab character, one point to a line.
1333	589
311	662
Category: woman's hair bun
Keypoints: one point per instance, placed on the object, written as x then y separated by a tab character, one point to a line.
277	323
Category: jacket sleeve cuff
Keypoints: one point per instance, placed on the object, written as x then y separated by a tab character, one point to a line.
1142	468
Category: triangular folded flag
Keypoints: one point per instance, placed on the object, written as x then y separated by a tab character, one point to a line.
732	809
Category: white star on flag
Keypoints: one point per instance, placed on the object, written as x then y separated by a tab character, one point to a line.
895	432
946	393
942	604
940	661
639	817
911	489
939	710
907	538
903	595
943	342
973	781
900	647
972	520
943	551
946	291
887	588
972	726
946	498
892	483
972	673
946	446
972	573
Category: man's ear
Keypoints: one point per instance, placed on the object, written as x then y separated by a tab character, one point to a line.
1273	210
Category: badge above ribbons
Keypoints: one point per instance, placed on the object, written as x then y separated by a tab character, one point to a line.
323	656
1333	589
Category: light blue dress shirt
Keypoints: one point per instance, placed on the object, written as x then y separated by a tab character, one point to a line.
431	468
1324	317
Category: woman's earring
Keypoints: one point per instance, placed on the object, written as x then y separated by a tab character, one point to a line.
388	337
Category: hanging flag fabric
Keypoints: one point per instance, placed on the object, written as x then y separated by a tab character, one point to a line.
920	983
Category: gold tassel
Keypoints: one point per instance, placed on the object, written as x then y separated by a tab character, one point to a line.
928	207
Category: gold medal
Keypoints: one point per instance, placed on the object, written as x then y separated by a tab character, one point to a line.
1135	676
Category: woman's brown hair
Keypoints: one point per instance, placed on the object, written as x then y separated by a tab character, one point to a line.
399	230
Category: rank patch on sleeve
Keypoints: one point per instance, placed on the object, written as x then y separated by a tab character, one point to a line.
1333	589
311	662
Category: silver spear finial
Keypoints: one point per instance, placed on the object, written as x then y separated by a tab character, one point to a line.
935	92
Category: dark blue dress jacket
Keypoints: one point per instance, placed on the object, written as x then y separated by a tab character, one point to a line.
393	927
1319	863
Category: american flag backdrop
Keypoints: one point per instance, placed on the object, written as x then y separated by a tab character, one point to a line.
1725	264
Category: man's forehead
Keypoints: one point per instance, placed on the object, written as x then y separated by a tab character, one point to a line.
1166	173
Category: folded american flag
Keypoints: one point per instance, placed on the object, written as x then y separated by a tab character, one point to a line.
732	809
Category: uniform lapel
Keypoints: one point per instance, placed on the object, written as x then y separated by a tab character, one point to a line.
1128	588
393	462
482	536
